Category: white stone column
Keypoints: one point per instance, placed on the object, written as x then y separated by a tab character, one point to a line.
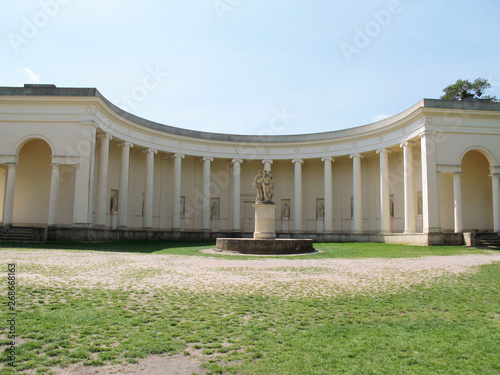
385	204
495	180
267	164
328	220
409	188
297	196
102	180
8	207
84	176
54	194
148	189
123	192
430	187
205	214
357	220
457	202
236	194
176	198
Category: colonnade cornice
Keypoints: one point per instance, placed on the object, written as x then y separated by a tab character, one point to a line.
410	124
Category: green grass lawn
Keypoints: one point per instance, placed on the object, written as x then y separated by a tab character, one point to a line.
331	250
451	326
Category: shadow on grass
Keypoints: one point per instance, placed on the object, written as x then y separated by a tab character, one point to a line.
133	246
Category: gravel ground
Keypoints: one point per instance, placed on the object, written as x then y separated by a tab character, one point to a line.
272	276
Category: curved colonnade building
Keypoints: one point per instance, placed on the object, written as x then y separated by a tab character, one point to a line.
78	167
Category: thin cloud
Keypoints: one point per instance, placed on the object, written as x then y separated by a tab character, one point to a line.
33	78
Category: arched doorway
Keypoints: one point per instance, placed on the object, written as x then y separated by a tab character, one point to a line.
477	200
32	184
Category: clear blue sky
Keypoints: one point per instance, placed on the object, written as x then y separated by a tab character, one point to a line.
253	66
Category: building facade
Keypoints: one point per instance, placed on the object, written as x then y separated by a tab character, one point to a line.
73	163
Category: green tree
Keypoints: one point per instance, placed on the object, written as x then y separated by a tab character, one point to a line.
466	90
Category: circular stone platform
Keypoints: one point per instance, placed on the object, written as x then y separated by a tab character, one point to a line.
258	246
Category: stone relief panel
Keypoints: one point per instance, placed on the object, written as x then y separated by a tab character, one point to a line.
214	208
320	209
183	206
285	209
420	203
113	201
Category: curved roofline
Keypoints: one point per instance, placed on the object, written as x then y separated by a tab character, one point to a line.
52	90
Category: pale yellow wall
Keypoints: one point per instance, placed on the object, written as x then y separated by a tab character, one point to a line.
192	180
3	181
476	193
447	203
396	187
136	188
65	201
32	189
313	187
220	180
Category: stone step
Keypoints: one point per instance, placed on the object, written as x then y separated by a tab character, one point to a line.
17	234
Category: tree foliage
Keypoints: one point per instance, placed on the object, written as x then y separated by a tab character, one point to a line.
466	90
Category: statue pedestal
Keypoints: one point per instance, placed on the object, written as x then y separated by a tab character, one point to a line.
264	221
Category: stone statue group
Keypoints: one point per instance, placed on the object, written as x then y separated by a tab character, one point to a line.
264	184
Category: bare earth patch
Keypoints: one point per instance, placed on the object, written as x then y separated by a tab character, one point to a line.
177	364
289	278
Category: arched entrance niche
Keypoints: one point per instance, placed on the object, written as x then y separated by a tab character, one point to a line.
477	199
32	184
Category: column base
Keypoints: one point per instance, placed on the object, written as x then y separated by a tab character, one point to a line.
122	227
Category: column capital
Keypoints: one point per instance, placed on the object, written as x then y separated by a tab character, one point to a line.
406	144
104	135
294	161
352	156
234	161
149	150
427	133
495	176
90	124
495	171
126	144
209	158
383	150
55	165
12	164
182	156
267	161
327	158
